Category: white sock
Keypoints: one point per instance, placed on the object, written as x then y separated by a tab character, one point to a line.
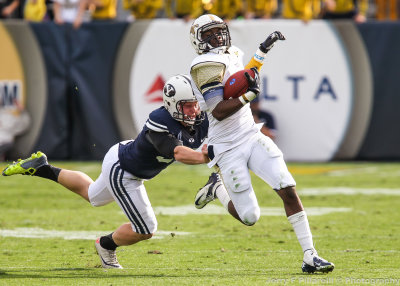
223	196
301	227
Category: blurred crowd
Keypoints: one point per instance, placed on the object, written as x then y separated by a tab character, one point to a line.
78	11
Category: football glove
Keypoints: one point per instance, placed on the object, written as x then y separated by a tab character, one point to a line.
254	87
254	83
271	39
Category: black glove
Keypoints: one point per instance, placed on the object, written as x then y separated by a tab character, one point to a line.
254	83
269	42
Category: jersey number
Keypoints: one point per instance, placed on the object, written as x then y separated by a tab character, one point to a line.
164	160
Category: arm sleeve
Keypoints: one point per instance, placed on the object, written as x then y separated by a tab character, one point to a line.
254	63
164	142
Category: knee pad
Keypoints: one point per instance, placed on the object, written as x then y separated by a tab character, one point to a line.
250	216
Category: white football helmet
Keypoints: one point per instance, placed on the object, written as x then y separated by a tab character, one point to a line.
177	91
205	23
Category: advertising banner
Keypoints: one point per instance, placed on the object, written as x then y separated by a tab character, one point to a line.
331	87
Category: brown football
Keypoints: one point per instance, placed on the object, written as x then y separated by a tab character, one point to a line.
237	84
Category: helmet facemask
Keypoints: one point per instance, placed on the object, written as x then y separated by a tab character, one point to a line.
214	40
177	92
220	42
180	115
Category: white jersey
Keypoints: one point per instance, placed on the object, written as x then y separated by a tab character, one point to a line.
236	129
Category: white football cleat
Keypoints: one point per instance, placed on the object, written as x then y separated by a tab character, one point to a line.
313	263
207	193
108	257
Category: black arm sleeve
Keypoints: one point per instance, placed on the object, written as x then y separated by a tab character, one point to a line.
164	142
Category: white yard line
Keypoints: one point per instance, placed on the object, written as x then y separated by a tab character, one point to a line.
87	235
177	211
347	191
219	210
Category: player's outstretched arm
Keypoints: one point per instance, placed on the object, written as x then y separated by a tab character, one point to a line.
189	156
258	59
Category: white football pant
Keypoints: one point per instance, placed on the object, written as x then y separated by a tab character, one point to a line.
115	184
261	155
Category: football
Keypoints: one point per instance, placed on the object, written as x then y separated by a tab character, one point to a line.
237	84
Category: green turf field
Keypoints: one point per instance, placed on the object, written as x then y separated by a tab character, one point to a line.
354	213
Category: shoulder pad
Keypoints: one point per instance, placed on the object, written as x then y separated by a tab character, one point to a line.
233	50
210	57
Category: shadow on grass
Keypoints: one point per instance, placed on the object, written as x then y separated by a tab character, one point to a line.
100	273
74	273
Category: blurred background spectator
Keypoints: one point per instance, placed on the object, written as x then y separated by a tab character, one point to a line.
225	9
11	9
143	9
35	10
69	11
260	9
387	9
183	9
103	10
301	9
77	11
345	9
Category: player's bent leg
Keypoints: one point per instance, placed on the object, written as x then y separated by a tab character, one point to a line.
298	218
236	177
130	194
267	162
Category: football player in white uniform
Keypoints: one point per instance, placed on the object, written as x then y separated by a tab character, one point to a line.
235	142
172	132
